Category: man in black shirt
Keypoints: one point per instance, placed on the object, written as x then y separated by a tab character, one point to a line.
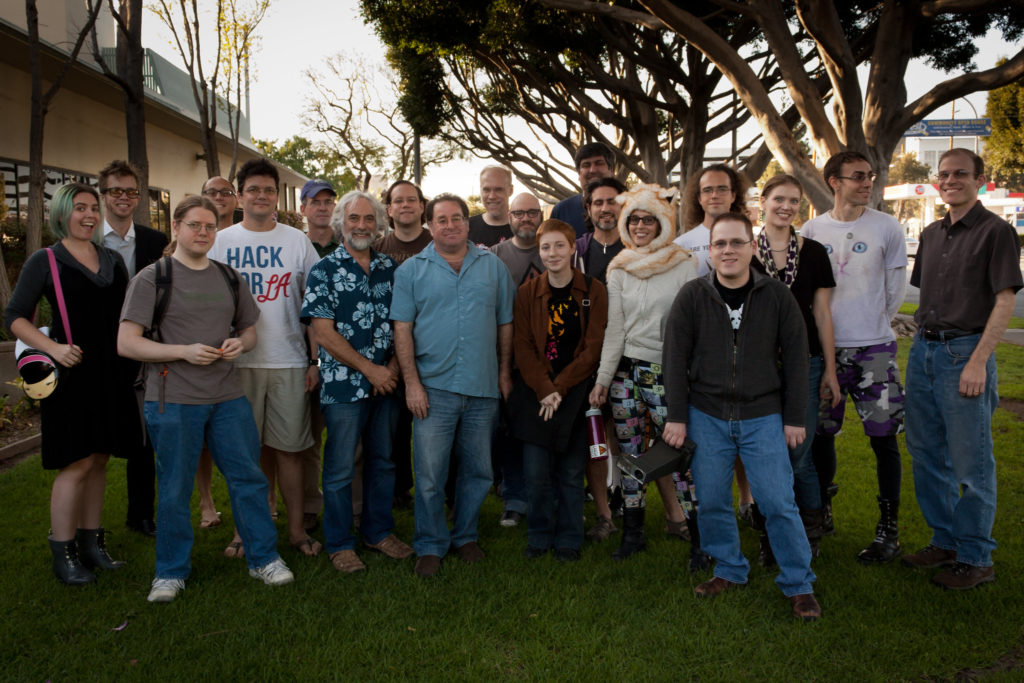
491	227
601	243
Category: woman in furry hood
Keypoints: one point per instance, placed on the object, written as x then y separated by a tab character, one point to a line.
661	254
642	284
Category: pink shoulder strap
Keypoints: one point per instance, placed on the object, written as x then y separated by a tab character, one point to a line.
60	293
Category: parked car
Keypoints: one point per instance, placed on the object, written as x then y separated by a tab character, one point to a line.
912	247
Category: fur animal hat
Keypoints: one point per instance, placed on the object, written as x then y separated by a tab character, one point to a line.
660	254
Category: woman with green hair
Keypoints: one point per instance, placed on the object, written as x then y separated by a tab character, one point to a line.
92	412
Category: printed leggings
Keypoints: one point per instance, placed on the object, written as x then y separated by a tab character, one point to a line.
637	398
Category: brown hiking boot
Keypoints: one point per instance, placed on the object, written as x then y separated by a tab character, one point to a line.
470	552
714	586
427	565
930	557
805	607
962	577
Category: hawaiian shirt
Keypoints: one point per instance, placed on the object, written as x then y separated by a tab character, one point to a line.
339	289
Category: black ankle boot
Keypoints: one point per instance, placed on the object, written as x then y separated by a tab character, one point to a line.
828	524
886	546
92	549
632	533
765	555
699	560
66	565
814	527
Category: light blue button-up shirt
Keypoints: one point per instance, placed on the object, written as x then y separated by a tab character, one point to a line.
455	318
125	246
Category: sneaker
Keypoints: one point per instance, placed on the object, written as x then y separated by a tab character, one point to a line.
930	557
274	573
165	590
510	518
603	528
962	577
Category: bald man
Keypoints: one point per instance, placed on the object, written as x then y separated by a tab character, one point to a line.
222	194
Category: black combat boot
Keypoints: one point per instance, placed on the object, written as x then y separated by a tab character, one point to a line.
633	540
66	565
765	556
92	549
828	525
886	546
699	560
814	527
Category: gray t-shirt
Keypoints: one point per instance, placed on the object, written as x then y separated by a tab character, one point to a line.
522	264
200	309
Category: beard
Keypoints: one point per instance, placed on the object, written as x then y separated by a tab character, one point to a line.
360	243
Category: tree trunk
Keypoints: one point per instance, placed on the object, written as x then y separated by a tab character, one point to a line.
131	58
37	117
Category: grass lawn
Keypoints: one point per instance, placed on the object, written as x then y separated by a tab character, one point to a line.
510	618
1015	322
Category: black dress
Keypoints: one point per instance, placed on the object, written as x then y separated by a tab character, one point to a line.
93	409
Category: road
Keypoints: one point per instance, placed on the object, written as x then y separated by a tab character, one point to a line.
913	293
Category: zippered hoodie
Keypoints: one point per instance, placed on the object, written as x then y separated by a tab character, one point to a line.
762	372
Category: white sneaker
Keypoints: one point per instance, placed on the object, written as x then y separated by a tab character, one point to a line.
274	573
165	590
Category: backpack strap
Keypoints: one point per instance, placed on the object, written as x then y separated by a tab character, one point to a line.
231	277
163	295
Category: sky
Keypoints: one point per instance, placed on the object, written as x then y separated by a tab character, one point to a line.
295	40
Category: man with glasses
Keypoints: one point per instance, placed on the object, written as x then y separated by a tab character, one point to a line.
139	246
522	258
713	191
593	161
452	309
968	270
736	323
275	260
219	191
492	226
869	260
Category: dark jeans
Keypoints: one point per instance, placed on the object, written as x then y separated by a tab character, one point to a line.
554	493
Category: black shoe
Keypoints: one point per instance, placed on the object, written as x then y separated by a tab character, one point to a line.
533	553
146	527
67	566
567	554
699	560
92	550
828	523
886	546
765	555
633	540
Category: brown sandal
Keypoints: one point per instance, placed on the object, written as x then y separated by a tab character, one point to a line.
308	547
234	549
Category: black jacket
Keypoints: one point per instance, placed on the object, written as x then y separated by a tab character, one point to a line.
149	246
763	372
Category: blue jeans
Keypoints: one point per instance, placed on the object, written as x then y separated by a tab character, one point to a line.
805	477
554	489
230	433
950	441
468	423
761	445
373	420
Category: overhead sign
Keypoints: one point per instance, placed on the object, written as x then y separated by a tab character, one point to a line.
948	127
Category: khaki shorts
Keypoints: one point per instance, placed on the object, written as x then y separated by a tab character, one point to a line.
280	406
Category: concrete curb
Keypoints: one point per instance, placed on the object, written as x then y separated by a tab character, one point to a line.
17	448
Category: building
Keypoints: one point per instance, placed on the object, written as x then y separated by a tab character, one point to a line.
85	124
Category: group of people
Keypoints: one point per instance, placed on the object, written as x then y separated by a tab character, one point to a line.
479	343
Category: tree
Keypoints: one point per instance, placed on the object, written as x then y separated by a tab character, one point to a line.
1004	150
886	34
354	104
37	118
234	32
569	78
127	74
313	160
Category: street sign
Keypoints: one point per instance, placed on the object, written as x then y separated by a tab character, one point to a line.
948	127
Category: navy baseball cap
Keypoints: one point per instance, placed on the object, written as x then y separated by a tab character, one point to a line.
312	187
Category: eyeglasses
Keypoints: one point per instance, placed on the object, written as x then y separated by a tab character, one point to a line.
457	219
715	189
532	213
219	193
117	192
252	189
735	244
649	221
859	177
959	174
199	227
